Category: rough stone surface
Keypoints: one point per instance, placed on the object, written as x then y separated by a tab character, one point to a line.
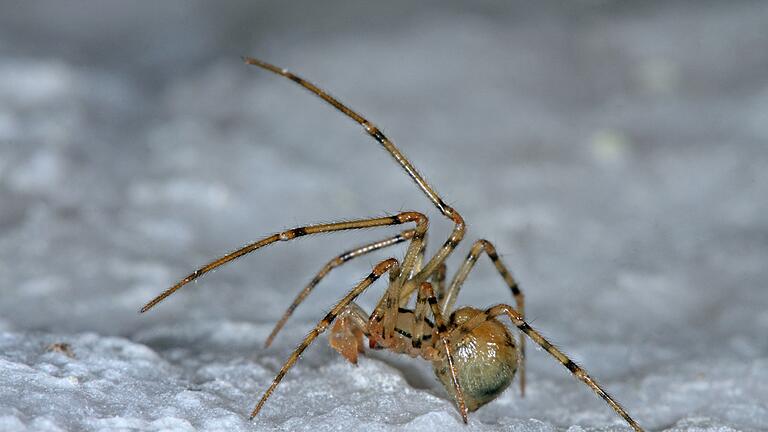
615	152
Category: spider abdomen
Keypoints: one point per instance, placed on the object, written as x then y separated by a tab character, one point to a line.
485	358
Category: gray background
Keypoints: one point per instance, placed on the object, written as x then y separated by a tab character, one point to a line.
615	152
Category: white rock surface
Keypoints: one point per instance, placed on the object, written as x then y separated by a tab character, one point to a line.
616	153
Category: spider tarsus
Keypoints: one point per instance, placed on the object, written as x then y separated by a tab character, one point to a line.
147	306
257	408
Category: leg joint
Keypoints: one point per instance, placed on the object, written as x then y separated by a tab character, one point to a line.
382	268
411	216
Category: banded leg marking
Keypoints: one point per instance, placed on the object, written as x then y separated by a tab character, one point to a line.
438	278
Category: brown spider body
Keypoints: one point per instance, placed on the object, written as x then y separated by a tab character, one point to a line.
473	354
485	358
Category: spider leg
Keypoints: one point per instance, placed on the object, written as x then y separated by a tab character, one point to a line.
447	303
419	258
372	130
390	307
520	323
417	265
445	250
418	218
425	292
437	277
420	318
336	262
389	265
369	127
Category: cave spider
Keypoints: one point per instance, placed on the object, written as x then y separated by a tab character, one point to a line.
473	354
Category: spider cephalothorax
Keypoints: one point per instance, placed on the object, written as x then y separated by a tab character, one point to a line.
473	354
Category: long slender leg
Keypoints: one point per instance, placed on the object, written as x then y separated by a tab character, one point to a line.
447	303
389	265
420	323
425	291
520	323
445	209
421	228
369	127
405	297
336	262
391	304
420	257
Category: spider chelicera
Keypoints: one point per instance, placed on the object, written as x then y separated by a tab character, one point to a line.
473	354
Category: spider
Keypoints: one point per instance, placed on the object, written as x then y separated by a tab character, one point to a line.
473	354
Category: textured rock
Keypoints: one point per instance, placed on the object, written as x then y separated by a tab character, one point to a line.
615	153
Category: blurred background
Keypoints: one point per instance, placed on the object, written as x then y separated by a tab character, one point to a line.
615	152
